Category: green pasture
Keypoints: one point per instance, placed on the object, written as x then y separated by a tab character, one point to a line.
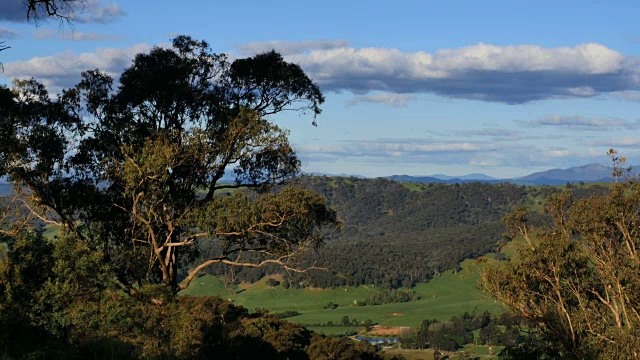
484	351
445	296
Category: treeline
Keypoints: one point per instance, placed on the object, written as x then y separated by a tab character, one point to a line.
345	321
390	296
396	237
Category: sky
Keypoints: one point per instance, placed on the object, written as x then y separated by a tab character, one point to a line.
503	88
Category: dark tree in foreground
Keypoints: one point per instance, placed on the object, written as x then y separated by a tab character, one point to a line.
135	171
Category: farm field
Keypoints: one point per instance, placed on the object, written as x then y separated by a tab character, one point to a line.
444	296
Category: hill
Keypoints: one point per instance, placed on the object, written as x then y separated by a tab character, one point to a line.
586	173
400	234
393	236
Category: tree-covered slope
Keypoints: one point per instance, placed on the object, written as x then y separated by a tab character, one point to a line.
395	234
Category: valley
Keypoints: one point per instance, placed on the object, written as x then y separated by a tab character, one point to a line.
444	296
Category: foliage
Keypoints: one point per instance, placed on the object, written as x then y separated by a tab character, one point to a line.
325	348
135	170
286	314
97	321
458	331
576	281
330	306
417	235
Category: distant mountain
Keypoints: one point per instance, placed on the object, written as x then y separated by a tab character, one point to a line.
586	173
416	179
443	179
475	176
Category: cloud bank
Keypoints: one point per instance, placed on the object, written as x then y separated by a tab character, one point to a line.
63	70
508	74
289	47
395	100
421	153
48	34
584	123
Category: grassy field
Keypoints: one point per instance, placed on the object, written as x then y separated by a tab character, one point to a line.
484	350
447	295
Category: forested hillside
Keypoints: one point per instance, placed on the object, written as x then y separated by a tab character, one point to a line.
398	235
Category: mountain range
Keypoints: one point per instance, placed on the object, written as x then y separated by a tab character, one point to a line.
585	173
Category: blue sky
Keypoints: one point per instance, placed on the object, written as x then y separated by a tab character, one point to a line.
413	87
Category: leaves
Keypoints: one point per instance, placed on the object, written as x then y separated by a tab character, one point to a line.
577	283
137	168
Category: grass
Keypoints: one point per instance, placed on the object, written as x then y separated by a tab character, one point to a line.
484	351
204	286
445	296
415	186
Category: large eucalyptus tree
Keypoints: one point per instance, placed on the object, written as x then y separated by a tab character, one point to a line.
135	169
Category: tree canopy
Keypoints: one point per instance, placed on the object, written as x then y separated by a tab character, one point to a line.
576	281
134	169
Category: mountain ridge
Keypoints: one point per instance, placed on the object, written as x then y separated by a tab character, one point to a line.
586	173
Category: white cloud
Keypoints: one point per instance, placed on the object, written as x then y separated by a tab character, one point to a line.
405	149
582	91
420	153
289	47
7	33
395	100
96	11
558	153
63	70
87	11
510	74
628	95
619	142
583	122
483	162
588	58
47	34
